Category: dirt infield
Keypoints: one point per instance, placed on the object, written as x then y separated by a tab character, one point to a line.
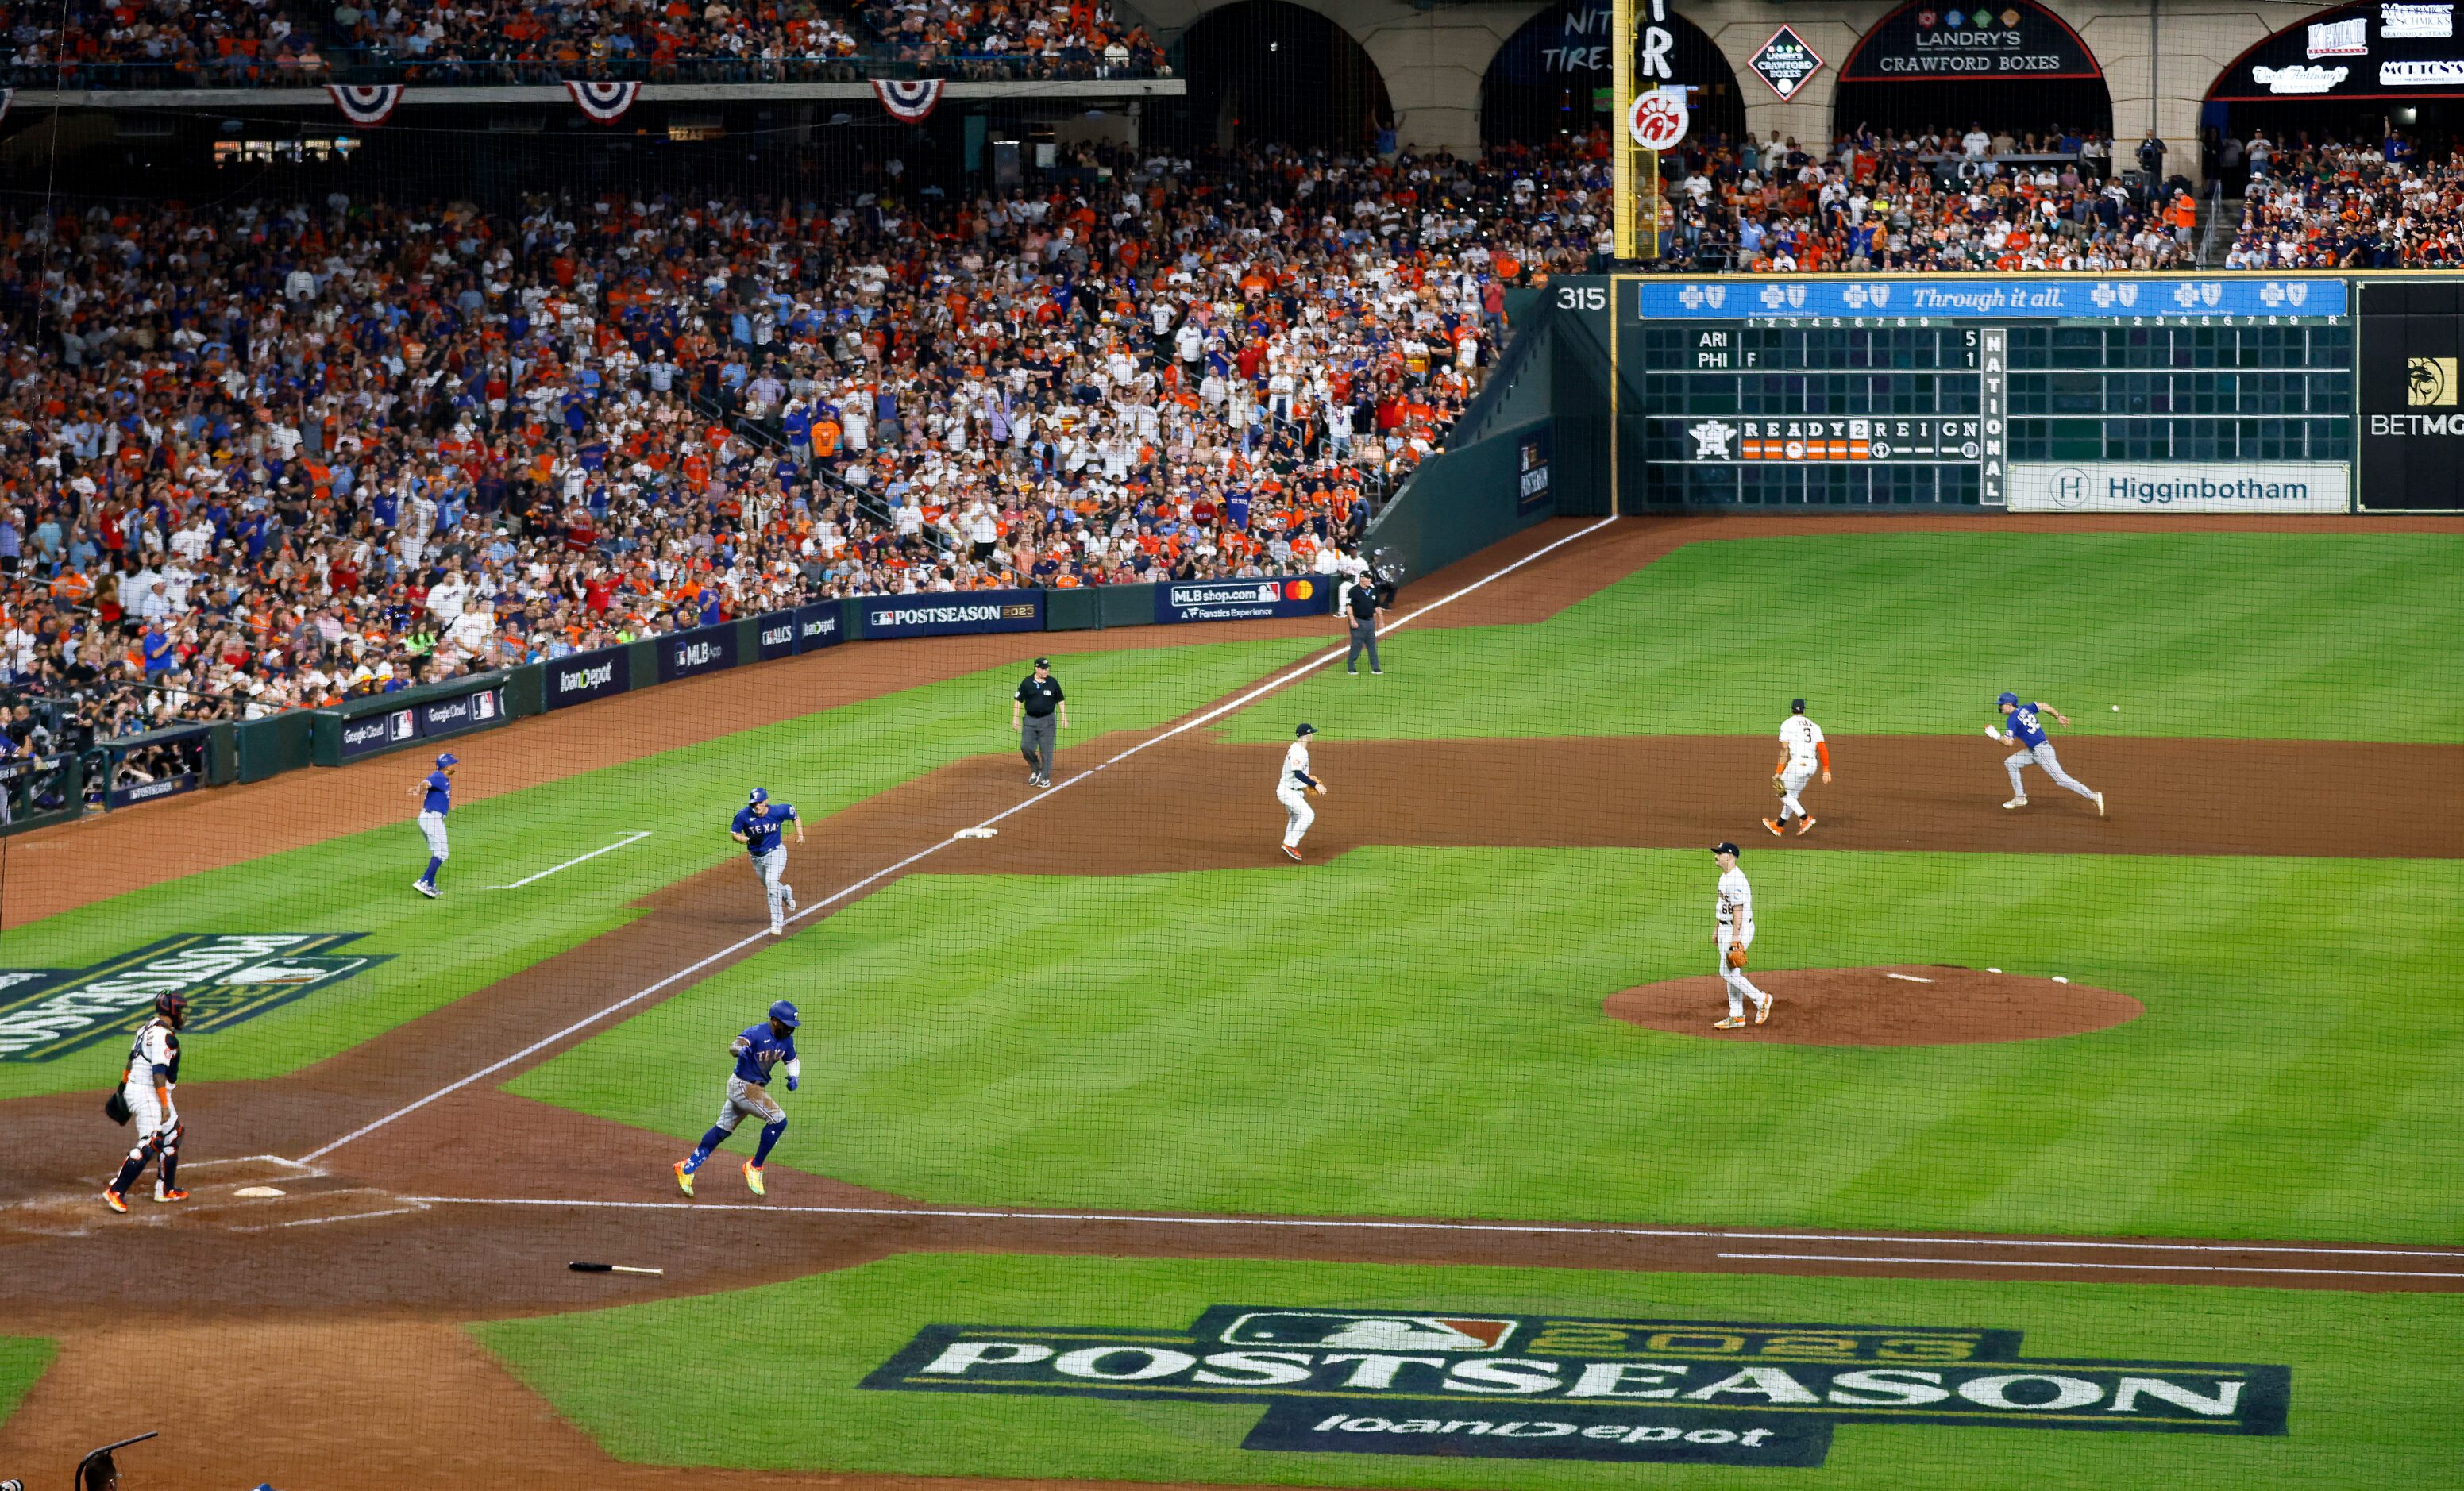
1904	1004
353	1283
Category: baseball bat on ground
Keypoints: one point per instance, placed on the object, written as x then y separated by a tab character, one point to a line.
612	1268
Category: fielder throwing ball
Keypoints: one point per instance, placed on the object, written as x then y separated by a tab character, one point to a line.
757	826
772	1043
435	792
2027	732
145	1085
1293	789
1801	745
1735	935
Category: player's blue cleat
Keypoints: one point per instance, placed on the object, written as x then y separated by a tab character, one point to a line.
684	1179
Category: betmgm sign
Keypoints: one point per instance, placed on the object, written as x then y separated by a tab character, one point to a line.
1464	1383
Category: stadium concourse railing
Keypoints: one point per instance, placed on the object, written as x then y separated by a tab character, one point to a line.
124	771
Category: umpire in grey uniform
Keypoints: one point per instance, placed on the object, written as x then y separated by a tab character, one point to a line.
1364	602
1035	711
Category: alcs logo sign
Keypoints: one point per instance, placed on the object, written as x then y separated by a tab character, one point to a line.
47	1013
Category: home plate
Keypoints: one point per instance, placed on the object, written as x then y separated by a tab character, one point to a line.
975	833
258	1191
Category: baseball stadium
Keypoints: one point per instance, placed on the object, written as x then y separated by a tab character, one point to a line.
1453	746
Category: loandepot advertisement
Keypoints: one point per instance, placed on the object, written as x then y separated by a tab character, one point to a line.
1523	1387
2152	487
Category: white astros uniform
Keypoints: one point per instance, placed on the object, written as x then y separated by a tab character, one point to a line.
1298	815
1736	924
1800	735
148	1115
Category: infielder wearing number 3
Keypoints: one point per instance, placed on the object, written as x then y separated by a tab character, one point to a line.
1801	740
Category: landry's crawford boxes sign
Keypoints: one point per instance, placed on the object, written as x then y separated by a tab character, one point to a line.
1543	1386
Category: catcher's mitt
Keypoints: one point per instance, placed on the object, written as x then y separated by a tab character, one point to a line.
1736	955
1780	785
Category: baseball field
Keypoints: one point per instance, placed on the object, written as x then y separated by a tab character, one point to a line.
2097	1149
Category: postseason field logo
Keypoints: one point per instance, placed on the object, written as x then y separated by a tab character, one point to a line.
1527	1387
48	1013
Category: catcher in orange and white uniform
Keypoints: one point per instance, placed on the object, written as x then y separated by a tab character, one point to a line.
1801	740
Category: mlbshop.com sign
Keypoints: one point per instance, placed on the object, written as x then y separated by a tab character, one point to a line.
1243	600
1531	1386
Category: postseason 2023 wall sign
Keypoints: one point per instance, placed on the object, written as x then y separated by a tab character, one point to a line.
1949	43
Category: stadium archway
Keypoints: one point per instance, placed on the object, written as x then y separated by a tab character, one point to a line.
2351	73
1263	69
1551	77
1935	66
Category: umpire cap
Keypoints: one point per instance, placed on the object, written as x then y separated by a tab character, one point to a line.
784	1013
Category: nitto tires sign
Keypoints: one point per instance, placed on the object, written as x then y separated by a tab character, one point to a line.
2124	487
1529	1387
1243	600
890	617
589	675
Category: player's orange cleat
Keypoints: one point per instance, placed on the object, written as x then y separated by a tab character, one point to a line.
1772	827
753	1177
111	1198
163	1192
684	1179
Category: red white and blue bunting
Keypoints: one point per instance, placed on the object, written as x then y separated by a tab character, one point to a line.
366	105
909	101
603	102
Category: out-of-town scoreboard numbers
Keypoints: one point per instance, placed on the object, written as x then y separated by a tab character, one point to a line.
1986	393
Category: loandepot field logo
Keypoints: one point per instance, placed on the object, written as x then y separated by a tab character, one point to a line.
47	1013
1554	1388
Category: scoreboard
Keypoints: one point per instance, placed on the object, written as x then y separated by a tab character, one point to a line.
2066	394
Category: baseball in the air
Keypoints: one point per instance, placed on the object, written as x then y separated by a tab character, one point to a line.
2117	709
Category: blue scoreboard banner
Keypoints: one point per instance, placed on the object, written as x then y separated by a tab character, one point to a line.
1997	298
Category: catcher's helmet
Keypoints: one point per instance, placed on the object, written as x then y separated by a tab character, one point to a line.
172	1007
784	1013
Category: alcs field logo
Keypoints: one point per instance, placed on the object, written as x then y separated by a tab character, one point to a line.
48	1013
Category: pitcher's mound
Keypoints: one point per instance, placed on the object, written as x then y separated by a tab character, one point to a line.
1871	1006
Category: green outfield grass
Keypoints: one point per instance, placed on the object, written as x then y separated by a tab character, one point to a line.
1419	1032
445	949
2291	636
2373	1375
23	1360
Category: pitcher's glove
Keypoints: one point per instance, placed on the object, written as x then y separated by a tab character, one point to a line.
1736	955
1780	785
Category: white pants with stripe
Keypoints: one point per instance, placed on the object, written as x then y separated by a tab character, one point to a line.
2042	756
1298	815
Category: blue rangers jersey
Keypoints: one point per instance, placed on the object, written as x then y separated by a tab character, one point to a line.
440	794
763	1051
2025	727
761	830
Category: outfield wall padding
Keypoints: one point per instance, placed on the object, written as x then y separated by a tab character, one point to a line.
276	744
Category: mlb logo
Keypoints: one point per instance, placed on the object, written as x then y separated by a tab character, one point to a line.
1349	1330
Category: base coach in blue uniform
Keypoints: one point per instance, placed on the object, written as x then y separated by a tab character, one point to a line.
1036	710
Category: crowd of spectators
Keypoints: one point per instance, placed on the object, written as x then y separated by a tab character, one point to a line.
241	43
260	457
1928	201
2328	204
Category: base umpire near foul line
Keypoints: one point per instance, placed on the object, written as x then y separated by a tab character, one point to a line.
1035	710
1363	603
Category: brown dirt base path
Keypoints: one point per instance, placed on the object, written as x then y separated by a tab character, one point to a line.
313	1339
1907	1004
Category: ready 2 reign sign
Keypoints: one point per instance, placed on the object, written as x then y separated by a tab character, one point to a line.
1529	1387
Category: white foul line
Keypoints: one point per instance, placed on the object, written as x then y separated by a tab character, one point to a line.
569	863
2142	1268
733	948
1348	1224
